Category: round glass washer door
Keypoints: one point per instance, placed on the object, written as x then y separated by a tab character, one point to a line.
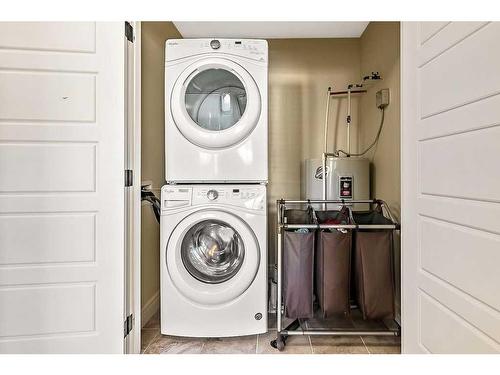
215	103
212	251
212	257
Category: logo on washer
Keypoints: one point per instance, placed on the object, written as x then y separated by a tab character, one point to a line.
258	316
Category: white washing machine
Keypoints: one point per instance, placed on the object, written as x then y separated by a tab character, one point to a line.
213	259
216	110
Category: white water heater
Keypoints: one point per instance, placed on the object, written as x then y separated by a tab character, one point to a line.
348	178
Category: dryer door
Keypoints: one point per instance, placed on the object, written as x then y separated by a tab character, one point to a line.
215	103
212	257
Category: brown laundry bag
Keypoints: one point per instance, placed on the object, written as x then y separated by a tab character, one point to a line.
298	266
297	216
333	266
374	267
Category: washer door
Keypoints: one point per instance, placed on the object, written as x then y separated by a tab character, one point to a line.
212	257
215	103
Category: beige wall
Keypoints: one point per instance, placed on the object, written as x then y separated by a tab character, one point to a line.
300	71
380	52
154	35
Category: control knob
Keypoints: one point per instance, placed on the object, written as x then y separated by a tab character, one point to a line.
212	195
215	44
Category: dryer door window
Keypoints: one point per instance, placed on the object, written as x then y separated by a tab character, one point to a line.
212	251
215	99
215	103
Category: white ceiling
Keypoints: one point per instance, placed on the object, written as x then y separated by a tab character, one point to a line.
271	30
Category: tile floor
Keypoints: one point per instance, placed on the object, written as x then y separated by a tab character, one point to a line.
155	343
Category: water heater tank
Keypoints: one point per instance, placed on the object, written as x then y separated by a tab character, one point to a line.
347	178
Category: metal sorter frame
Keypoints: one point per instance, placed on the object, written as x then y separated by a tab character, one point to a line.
291	330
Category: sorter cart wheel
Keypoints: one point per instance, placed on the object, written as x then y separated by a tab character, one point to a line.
279	343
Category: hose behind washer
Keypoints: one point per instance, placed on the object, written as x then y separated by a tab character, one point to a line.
148	196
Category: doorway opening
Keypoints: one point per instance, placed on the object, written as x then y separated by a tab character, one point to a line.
300	71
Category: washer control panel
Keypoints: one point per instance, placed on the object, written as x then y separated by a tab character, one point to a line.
251	196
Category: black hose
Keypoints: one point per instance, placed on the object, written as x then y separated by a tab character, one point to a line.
148	196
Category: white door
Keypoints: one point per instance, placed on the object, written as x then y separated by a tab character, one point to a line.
61	187
215	103
451	187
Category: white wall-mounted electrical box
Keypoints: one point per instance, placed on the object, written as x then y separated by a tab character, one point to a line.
382	98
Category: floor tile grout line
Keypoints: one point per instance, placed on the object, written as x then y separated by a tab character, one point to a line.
158	334
366	347
154	318
150	342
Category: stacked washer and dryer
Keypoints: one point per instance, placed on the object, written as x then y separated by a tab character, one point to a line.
213	253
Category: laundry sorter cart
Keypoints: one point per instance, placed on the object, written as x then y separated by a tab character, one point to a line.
309	274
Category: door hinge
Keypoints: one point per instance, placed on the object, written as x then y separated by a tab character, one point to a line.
129	177
129	32
128	325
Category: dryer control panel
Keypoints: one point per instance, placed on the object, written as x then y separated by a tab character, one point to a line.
255	49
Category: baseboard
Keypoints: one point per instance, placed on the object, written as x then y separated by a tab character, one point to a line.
150	308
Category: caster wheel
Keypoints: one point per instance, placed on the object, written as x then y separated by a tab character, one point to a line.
280	345
273	344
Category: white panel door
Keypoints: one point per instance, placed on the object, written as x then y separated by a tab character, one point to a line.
61	187
451	187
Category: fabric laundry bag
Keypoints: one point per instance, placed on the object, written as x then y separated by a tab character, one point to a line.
374	267
333	264
298	263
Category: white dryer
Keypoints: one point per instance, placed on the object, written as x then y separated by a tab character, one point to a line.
216	110
213	260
